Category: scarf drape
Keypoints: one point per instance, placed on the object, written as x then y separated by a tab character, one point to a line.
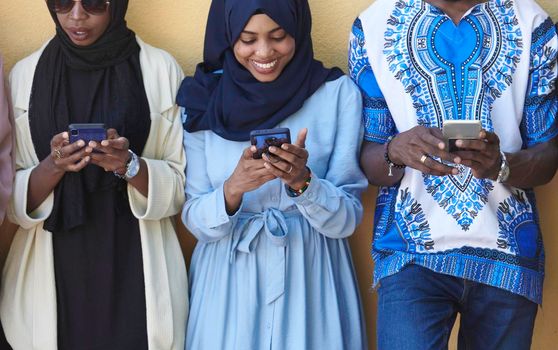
99	83
233	103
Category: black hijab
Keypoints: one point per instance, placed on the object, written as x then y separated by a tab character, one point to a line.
234	103
100	83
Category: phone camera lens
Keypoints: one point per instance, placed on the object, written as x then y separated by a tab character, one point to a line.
74	132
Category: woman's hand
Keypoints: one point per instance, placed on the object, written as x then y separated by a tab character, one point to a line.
416	147
289	162
68	157
481	155
248	175
64	157
113	152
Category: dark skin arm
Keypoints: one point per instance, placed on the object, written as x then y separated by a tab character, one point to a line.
75	157
407	148
529	168
50	170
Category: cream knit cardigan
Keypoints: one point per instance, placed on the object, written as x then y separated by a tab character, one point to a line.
28	292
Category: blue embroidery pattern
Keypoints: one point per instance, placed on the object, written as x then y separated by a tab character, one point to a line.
385	209
541	103
462	197
444	90
518	229
378	122
476	264
358	59
412	223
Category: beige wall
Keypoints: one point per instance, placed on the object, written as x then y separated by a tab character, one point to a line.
178	27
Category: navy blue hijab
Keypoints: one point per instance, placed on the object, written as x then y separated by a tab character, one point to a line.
233	103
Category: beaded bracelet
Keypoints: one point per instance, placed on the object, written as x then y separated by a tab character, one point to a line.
390	164
295	193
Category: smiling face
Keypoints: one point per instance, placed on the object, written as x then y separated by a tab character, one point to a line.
264	48
82	27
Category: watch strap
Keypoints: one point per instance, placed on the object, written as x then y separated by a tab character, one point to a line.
504	172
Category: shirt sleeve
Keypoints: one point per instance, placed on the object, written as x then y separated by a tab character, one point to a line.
377	120
204	213
332	204
541	103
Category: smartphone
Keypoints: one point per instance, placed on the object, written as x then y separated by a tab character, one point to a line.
454	130
263	139
87	132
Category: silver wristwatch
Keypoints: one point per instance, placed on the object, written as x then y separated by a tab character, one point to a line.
132	167
504	172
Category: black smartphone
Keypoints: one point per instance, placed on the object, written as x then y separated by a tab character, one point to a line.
87	132
454	130
263	139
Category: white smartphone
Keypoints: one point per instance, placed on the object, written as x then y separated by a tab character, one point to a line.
454	130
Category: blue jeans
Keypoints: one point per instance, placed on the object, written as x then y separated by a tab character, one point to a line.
417	308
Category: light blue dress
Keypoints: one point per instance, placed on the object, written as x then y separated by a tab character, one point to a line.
279	274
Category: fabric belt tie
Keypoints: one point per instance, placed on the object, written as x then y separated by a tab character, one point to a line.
272	222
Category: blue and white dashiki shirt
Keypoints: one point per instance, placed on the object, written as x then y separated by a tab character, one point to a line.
416	67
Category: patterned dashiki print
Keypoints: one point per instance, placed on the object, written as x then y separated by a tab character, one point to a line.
416	67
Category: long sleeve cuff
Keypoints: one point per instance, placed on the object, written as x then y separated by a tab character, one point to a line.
164	199
17	211
207	218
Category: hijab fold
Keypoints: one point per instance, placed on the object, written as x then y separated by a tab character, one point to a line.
100	83
233	103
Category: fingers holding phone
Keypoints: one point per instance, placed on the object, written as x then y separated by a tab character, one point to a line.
288	161
110	153
68	156
482	154
417	147
248	175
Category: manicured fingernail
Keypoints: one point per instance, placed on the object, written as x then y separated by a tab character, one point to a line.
441	145
65	135
104	143
92	144
81	143
459	143
457	160
87	159
266	165
285	146
273	149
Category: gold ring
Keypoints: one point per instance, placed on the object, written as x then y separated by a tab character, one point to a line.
290	169
58	154
423	158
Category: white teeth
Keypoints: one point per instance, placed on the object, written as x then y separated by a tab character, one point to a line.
265	65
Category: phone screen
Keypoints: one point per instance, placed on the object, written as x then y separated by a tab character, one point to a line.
263	139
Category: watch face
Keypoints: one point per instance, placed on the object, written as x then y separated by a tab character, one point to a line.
133	167
504	173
